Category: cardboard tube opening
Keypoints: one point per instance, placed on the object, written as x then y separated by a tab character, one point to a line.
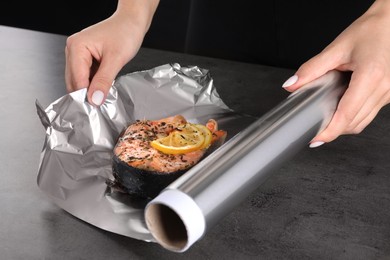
167	227
175	220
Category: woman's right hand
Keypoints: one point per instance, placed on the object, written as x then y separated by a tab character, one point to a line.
95	55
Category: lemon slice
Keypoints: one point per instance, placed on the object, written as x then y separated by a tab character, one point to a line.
208	136
189	138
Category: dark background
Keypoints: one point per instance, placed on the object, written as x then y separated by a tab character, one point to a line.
282	33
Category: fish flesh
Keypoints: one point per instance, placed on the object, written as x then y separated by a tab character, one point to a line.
141	170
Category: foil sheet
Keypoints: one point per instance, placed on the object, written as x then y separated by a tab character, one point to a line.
75	161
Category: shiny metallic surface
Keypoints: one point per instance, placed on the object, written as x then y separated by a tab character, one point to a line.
221	181
76	158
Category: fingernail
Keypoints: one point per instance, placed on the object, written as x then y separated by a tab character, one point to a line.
316	144
290	81
97	97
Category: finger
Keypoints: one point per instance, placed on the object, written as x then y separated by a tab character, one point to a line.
338	126
355	105
366	91
102	80
371	104
371	108
314	68
77	69
334	129
365	122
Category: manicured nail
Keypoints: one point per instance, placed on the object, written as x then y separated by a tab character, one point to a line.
290	81
97	97
316	144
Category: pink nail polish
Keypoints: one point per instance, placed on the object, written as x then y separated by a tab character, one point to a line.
97	97
291	81
316	144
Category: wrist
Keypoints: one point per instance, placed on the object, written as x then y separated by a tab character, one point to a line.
137	12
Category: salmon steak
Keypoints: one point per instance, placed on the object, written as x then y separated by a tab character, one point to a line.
151	154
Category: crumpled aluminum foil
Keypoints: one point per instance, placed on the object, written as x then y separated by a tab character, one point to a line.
75	162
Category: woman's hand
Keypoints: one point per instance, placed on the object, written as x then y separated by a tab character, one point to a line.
364	49
95	55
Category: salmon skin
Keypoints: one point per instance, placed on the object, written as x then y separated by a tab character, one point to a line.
142	171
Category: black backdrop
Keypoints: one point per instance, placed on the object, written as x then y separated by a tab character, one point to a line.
281	33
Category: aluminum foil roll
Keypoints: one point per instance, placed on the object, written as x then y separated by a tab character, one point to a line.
181	214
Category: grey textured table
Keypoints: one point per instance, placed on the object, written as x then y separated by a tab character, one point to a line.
332	202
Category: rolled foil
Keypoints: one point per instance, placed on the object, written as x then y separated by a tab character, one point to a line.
76	160
182	213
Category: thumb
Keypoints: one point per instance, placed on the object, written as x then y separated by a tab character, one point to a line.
312	69
102	82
